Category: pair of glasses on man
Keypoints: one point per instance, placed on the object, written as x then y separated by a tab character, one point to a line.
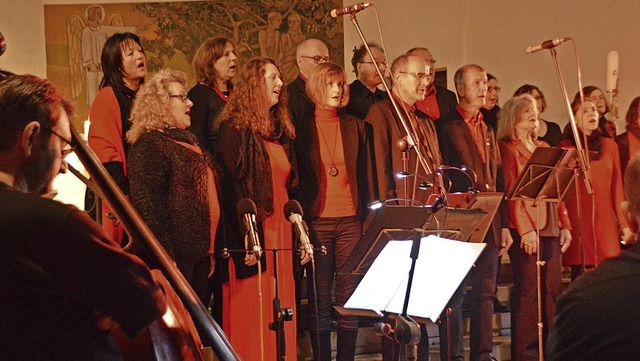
182	96
317	59
381	64
67	147
420	76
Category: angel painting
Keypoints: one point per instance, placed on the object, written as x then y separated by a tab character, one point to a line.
86	37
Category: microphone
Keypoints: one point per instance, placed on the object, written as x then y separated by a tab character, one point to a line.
293	212
349	9
549	44
247	211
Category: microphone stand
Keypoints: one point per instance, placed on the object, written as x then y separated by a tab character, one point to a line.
583	159
411	138
280	315
407	331
582	153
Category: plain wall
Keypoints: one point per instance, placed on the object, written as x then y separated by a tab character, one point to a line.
490	33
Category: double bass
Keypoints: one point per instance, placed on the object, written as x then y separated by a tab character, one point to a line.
181	342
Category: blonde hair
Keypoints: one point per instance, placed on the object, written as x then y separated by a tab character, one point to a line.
320	76
249	108
149	111
508	116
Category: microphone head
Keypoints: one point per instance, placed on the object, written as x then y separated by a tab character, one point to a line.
245	206
292	206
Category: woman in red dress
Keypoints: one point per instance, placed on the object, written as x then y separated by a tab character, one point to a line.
255	151
546	224
594	244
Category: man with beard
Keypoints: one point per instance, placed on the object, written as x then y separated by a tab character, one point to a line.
63	283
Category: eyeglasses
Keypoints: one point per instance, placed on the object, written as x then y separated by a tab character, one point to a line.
419	76
181	96
494	88
381	64
317	59
66	150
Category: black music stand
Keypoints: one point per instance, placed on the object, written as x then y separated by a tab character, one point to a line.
547	177
469	222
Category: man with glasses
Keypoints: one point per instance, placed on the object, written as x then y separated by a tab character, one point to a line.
466	140
364	91
309	54
410	76
439	100
63	283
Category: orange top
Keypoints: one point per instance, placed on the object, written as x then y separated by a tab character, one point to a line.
335	193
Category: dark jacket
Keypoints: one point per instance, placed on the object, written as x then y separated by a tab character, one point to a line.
446	99
247	172
387	130
207	105
169	190
57	267
358	162
458	148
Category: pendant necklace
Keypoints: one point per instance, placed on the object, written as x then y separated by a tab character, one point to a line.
333	170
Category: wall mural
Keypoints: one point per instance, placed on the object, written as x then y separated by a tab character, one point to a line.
171	32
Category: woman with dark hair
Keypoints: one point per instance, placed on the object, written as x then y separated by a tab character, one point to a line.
593	93
124	67
172	179
548	131
335	187
544	227
629	141
594	244
258	160
214	66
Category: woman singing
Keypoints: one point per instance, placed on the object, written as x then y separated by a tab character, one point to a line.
214	66
594	244
172	180
124	67
335	174
517	133
255	150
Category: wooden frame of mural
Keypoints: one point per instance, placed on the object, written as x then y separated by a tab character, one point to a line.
171	32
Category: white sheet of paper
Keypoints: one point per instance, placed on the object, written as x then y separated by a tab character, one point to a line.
441	266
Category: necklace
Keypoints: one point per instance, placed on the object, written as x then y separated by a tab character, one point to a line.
333	170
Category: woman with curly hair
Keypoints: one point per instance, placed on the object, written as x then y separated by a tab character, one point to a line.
629	141
258	160
172	180
214	66
594	244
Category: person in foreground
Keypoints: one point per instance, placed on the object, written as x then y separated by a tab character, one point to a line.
597	318
63	283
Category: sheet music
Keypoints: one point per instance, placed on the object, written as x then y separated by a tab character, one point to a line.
441	266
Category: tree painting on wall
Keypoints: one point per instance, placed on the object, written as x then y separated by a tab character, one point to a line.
171	32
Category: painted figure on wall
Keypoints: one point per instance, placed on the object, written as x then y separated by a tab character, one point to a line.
86	38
